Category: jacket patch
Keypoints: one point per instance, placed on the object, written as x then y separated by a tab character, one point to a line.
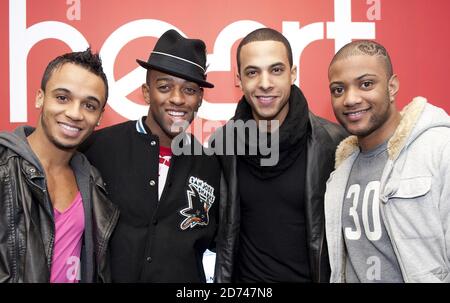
200	196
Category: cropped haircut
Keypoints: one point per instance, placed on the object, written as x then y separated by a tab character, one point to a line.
367	48
264	34
85	59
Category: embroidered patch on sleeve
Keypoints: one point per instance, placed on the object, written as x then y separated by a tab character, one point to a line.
200	196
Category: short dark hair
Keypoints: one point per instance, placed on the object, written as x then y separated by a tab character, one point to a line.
368	48
264	34
85	59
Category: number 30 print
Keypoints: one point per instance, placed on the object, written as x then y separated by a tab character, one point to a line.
371	192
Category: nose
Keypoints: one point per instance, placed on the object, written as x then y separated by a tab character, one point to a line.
176	97
352	98
265	82
73	111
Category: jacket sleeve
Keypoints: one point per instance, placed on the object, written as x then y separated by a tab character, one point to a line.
4	228
227	235
445	195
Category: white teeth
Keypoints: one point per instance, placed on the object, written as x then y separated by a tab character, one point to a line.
70	128
176	114
357	113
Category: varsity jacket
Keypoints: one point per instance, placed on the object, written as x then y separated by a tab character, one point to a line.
157	241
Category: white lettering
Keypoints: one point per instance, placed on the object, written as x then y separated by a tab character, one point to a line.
193	293
353	190
21	40
343	30
118	90
300	38
372	189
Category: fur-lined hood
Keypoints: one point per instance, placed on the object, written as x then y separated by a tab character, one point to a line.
417	117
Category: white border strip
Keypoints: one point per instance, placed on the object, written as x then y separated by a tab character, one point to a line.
179	58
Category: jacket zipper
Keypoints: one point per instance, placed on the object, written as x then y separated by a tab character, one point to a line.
388	227
16	244
52	238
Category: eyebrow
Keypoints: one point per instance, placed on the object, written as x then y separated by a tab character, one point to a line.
94	99
270	66
60	89
65	90
163	78
365	75
170	79
335	82
358	78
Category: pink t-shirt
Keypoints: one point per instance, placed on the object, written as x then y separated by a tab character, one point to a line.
69	227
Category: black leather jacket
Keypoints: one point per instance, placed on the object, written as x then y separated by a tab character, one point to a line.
322	143
27	230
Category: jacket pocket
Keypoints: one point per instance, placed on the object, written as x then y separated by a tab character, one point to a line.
408	188
410	209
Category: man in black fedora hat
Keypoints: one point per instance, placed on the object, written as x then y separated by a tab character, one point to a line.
168	200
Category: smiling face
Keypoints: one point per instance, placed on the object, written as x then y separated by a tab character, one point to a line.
72	105
363	98
173	102
265	77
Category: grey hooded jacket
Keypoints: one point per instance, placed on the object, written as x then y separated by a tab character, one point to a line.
414	195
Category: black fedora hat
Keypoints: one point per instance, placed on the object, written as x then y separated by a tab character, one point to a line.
178	56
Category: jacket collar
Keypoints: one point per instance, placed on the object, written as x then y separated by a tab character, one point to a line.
142	128
410	116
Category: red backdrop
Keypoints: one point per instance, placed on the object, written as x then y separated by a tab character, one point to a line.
33	32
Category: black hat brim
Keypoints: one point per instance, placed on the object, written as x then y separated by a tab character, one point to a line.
200	82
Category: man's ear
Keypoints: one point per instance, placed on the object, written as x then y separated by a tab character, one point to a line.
394	86
39	100
238	80
293	74
146	92
202	91
100	118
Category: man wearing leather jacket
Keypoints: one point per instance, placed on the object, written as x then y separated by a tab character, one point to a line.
55	219
275	221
